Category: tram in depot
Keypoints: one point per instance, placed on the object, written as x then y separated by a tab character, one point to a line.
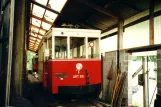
69	61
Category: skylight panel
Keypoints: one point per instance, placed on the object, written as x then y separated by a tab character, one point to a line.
42	32
33	34
30	48
32	41
31	44
38	11
57	4
46	26
32	38
50	16
34	29
38	40
35	48
43	2
37	43
36	22
39	36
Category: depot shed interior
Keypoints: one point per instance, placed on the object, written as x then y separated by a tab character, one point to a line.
127	27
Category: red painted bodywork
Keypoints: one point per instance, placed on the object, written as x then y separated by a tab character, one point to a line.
93	66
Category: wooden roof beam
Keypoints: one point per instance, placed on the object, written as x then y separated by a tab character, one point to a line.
98	8
42	19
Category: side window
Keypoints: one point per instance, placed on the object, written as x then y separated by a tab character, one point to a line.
93	48
77	47
61	47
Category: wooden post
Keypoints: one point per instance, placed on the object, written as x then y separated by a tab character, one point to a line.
145	94
8	79
151	23
119	41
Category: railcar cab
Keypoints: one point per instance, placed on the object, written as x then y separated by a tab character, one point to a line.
72	61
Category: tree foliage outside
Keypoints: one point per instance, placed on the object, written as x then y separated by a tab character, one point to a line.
152	58
29	59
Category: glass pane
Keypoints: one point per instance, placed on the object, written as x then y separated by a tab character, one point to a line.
36	22
32	38
77	49
42	32
45	26
50	16
33	34
61	47
39	36
34	29
93	48
44	2
38	11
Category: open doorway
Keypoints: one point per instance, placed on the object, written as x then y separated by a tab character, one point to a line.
144	78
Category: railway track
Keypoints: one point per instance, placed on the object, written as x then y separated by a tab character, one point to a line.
79	103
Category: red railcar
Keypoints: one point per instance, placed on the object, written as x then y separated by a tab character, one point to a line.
35	63
69	61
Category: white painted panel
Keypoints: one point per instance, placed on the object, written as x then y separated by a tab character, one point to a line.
157	30
136	35
109	44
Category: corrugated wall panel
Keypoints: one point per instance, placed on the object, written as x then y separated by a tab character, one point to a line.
157	30
136	35
109	43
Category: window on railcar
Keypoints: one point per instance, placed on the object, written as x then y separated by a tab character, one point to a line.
50	47
93	48
77	47
61	47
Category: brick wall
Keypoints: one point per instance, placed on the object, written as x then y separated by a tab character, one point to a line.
125	60
107	60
